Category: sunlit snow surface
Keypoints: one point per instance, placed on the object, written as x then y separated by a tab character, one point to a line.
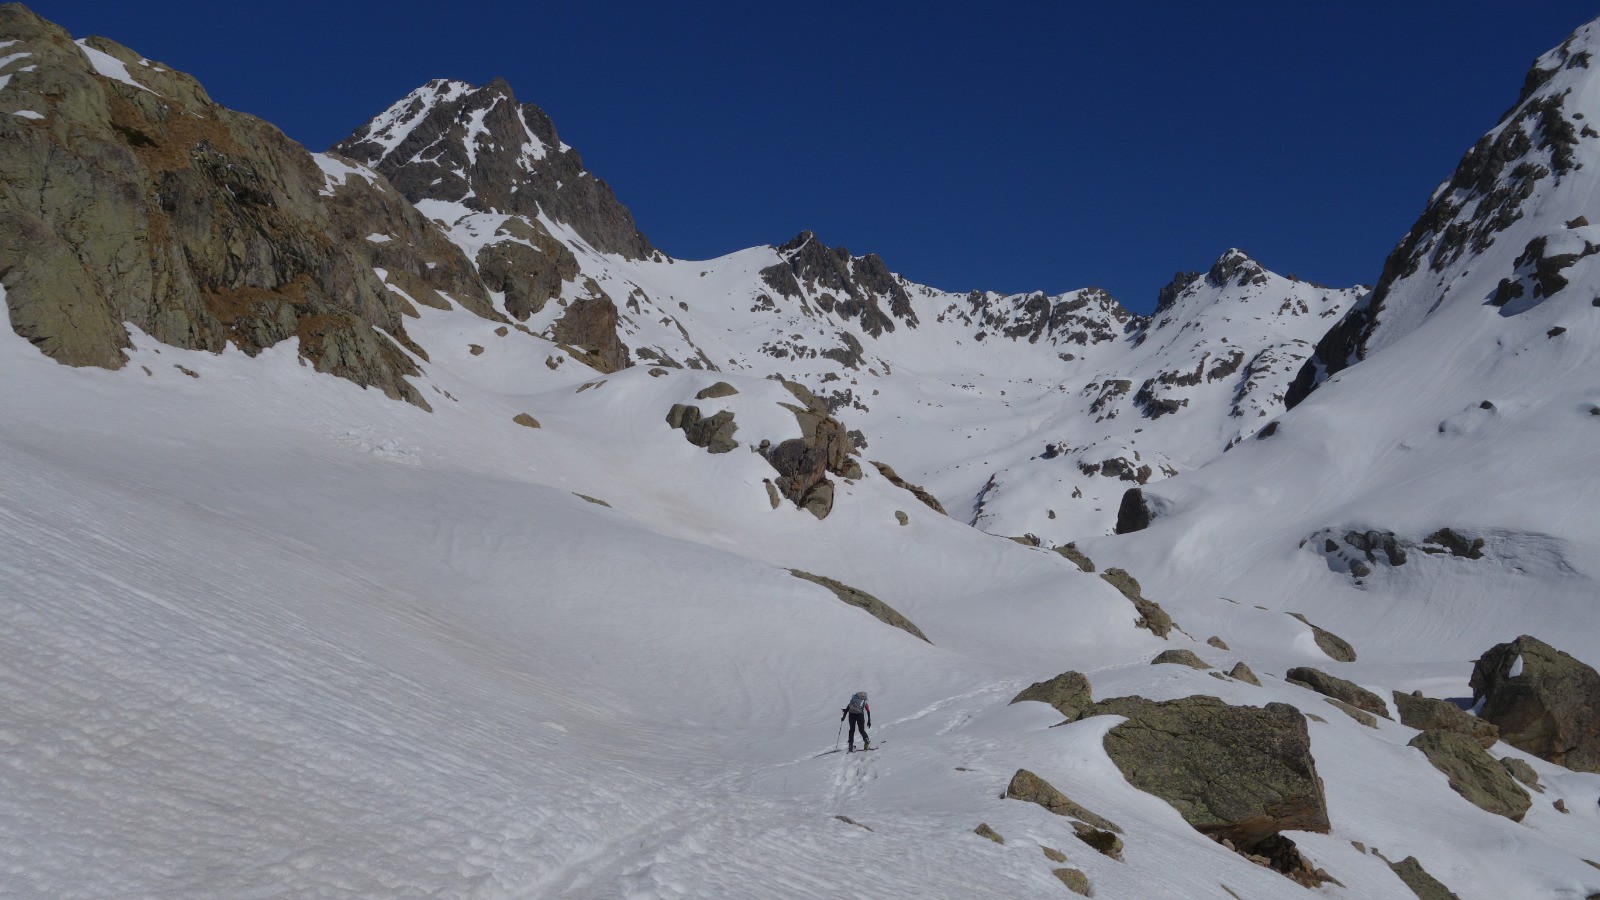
266	633
263	633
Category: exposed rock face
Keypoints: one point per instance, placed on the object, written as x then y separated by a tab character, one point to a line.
1152	617
1068	692
529	266
525	420
1543	701
1134	514
1425	886
1474	774
1336	647
1182	657
983	830
878	609
1236	773
804	463
715	433
854	288
201	226
927	499
1428	714
448	140
1337	688
590	325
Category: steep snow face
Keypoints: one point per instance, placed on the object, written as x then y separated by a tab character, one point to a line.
1508	231
479	146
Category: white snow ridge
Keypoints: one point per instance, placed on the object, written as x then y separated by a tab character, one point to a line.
535	619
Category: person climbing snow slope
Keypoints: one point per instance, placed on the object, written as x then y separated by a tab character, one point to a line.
858	711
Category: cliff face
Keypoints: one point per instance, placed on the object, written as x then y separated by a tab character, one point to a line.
127	195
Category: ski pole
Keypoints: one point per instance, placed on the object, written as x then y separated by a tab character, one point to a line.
838	737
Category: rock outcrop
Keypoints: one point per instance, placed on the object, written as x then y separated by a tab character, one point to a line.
1473	773
1336	647
878	609
1031	788
1152	617
1078	557
1243	673
804	463
527	264
1337	688
1425	886
1068	692
927	499
589	329
1544	702
1075	880
1236	773
140	200
1522	772
1428	714
1134	513
714	433
1182	657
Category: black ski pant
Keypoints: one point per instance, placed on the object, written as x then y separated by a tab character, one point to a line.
857	723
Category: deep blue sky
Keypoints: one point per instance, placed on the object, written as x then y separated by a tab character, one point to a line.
1001	146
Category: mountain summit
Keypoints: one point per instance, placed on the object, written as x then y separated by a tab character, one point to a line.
480	147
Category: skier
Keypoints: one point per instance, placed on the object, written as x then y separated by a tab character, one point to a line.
857	711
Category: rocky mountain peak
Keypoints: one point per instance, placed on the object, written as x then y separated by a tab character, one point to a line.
480	147
853	287
1237	268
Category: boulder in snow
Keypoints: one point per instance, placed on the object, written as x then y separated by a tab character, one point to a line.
1428	714
1337	688
1544	702
1236	773
1336	647
1473	773
1067	692
1180	656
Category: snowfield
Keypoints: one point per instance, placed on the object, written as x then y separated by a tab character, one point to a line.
266	633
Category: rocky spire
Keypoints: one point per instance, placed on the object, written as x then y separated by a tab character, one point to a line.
479	146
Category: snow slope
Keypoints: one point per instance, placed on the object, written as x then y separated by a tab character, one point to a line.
265	633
